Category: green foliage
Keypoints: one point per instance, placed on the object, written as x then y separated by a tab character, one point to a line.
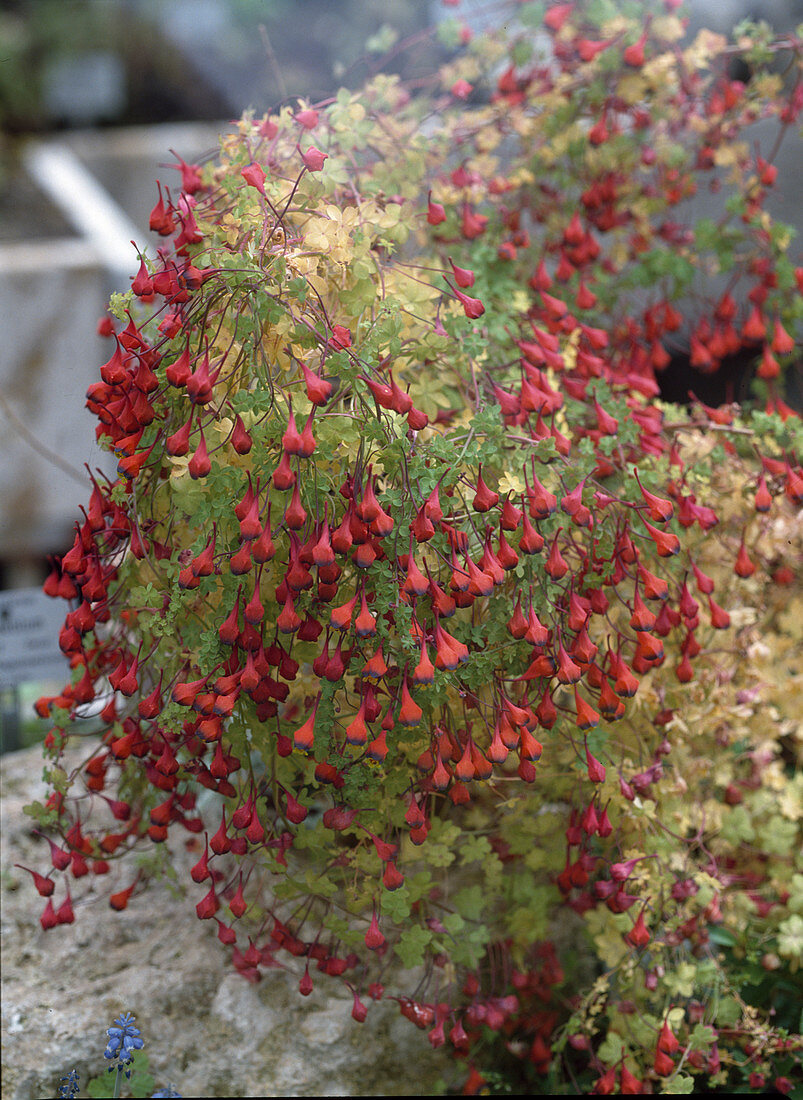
141	1083
449	613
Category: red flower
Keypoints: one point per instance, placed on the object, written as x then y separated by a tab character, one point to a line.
255	177
314	159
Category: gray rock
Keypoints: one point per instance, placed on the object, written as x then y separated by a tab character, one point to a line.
206	1030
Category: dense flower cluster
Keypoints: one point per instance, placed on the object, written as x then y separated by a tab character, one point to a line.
70	1085
409	568
124	1039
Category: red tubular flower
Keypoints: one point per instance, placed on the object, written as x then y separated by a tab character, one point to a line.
634	54
449	651
435	211
655	588
666	543
410	714
720	619
415	583
377	749
357	730
142	284
238	904
254	176
531	541
744	567
373	937
318	389
200	464
365	623
557	16
288	620
587	717
304	736
422	527
755	327
541	503
179	371
240	439
556	565
358	1010
206	907
630	1085
119	901
568	672
642	618
375	667
660	510
639	935
529	747
424	672
44	886
606	1084
472	307
295	811
220	842
314	159
462	276
596	771
485	498
662	1064
472	225
64	913
667	1041
161	219
517	625
392	878
308	118
782	342
295	515
48	919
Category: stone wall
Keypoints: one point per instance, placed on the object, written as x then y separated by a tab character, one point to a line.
206	1029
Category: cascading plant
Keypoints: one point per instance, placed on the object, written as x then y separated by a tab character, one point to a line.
410	569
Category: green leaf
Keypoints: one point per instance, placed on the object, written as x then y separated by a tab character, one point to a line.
611	1050
738	826
702	1038
531	15
721	936
729	1012
142	1084
453	923
680	981
679	1084
396	904
412	944
474	848
449	33
39	812
470	902
384	39
522	51
100	1086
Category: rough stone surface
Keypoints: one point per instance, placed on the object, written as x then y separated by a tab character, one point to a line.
206	1030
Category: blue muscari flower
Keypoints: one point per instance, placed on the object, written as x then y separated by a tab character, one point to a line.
69	1086
168	1092
123	1040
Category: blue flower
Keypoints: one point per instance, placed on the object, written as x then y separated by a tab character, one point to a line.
168	1092
69	1086
123	1041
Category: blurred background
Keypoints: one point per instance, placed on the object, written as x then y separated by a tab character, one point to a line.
94	96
